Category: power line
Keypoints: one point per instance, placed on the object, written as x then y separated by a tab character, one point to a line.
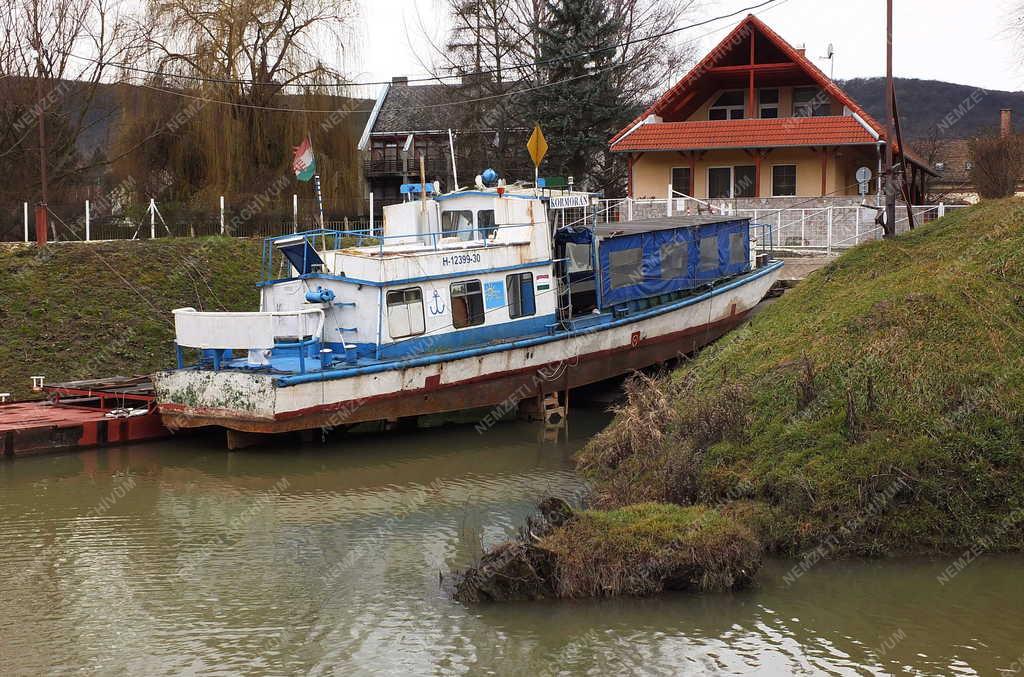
435	78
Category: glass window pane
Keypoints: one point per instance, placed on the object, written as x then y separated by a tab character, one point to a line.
681	180
625	267
734	98
485	222
467	303
579	257
745	181
784	180
453	222
719	182
769	96
405	312
519	289
718	114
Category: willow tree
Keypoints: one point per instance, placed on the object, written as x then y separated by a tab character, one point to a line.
239	69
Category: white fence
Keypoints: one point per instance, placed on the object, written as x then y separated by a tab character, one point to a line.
821	227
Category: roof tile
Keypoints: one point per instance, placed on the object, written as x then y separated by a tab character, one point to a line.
751	133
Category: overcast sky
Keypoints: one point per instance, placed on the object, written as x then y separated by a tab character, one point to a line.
962	41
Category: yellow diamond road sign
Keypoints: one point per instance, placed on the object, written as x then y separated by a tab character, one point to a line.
537	145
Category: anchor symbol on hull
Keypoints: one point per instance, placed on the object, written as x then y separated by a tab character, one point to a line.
437	307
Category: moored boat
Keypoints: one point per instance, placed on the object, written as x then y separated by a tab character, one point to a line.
463	300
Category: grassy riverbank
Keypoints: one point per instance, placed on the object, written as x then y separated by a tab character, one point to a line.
76	310
875	409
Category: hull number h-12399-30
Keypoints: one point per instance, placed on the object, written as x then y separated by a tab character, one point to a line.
460	259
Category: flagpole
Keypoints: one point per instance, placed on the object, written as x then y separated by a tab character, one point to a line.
319	199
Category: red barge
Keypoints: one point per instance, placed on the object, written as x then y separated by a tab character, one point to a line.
80	415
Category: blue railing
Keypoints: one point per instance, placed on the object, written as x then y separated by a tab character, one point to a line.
332	239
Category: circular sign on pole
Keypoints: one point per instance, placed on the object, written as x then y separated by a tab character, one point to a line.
863	175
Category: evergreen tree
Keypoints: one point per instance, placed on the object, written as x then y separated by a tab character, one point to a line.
582	106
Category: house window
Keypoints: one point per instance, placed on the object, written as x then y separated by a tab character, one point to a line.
768	103
405	312
729	182
625	267
744	182
519	289
485	223
708	253
681	180
810	102
784	180
728	106
674	257
720	182
467	304
457	224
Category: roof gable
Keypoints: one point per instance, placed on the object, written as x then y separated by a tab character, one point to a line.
731	58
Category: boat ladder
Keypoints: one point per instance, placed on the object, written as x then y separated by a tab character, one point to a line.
564	300
349	348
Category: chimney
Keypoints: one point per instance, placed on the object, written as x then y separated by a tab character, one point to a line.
1005	122
802	50
400	80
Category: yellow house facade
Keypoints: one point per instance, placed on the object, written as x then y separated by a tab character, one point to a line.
755	119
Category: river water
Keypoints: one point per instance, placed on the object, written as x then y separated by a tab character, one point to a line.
182	558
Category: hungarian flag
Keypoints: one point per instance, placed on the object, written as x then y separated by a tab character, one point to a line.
303	162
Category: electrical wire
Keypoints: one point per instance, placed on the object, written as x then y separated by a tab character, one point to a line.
435	78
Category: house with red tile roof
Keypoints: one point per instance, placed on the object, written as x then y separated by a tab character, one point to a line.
756	119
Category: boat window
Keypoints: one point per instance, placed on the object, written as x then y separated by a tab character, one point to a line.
579	257
729	106
673	260
625	267
737	250
405	312
519	288
467	304
784	180
708	254
485	223
457	224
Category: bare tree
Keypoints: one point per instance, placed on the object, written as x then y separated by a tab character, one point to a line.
998	164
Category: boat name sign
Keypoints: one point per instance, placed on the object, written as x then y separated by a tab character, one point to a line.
569	201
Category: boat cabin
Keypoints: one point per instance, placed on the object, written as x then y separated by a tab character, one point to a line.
453	273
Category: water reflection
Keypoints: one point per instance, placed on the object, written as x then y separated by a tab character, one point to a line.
178	557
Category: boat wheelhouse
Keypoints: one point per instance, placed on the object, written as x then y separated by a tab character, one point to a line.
463	300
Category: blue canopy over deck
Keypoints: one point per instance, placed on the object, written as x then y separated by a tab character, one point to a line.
644	259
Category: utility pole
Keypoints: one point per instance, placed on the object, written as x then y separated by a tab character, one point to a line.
889	229
42	216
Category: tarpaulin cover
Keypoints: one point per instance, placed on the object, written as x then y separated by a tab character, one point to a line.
642	265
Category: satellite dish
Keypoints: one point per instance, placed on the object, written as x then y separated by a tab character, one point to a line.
831	51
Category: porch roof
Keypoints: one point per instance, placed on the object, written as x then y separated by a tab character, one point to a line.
747	133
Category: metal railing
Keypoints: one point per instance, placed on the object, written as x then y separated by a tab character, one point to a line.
812	228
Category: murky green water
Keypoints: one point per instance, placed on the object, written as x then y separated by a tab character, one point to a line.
181	558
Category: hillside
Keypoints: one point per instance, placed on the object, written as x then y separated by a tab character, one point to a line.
78	310
924	104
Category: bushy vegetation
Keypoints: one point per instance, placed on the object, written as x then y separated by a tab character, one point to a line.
73	311
647	548
878	407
